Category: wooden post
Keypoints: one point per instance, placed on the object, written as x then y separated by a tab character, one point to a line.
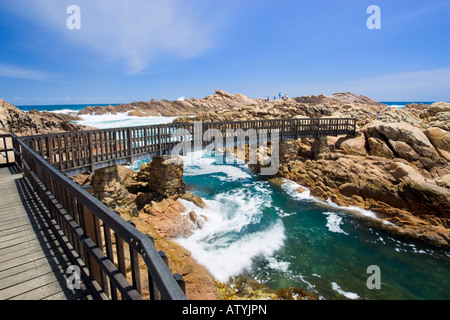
135	275
91	151
179	279
90	230
50	149
110	255
130	144
159	140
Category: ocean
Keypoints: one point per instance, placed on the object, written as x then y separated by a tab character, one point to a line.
283	238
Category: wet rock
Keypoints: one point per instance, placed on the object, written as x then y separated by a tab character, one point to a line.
167	218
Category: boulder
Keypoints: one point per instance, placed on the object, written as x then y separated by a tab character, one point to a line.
353	145
166	177
443	181
407	141
441	141
194	199
379	148
422	195
108	187
14	120
437	107
167	218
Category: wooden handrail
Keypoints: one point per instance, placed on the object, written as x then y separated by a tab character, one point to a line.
81	218
5	150
77	152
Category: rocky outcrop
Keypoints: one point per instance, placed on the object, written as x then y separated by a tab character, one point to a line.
167	218
166	177
397	170
337	105
187	107
164	218
14	120
434	115
223	106
406	142
441	141
159	179
108	187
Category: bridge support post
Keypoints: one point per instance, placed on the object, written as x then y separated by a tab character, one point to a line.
91	151
90	230
130	145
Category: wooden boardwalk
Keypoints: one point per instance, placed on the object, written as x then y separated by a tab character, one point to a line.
32	264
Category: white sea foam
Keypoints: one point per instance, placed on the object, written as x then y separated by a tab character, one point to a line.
291	187
120	120
366	213
224	245
349	295
196	164
278	265
225	257
64	111
400	106
334	222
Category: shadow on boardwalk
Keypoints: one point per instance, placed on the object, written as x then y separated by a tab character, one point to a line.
33	263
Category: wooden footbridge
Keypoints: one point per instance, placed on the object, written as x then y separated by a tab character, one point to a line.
57	241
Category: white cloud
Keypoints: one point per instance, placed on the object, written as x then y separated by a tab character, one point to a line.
11	71
136	32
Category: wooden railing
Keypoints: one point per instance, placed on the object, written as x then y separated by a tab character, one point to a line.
120	261
77	152
6	150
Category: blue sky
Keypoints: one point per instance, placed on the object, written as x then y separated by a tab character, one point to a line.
137	50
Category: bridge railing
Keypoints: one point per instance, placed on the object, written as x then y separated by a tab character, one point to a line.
122	262
82	151
6	150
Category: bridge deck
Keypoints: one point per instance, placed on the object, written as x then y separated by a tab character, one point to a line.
32	263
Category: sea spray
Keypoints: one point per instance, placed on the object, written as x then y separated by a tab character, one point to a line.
234	233
334	222
120	120
291	188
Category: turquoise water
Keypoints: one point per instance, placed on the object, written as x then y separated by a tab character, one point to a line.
285	238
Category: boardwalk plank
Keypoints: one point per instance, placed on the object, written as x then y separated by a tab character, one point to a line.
26	275
30	256
32	262
23	268
33	245
36	288
16	229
